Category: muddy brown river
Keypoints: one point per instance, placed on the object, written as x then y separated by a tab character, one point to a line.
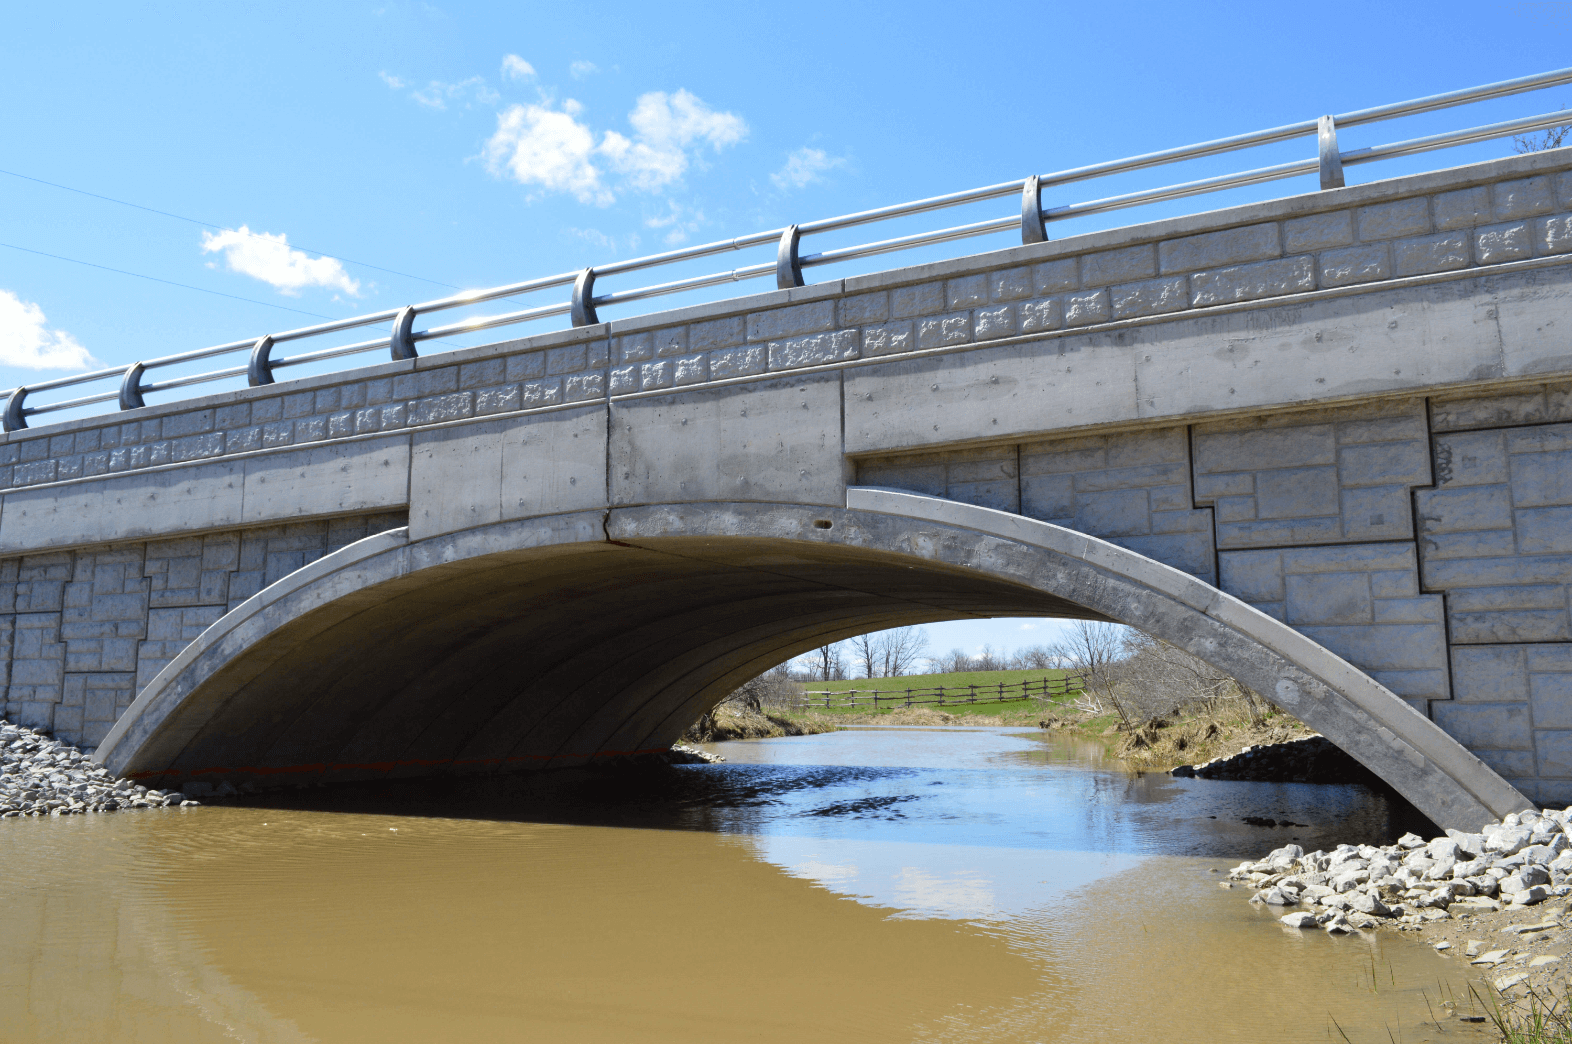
868	885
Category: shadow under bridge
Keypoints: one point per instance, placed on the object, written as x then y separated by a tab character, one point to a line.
558	640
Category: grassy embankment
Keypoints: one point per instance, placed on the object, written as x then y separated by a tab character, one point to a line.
1204	731
957	686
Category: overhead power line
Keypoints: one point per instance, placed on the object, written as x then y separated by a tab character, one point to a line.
221	228
167	282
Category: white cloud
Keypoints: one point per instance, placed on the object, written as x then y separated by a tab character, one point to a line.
804	167
630	242
392	81
539	145
1028	627
665	126
27	341
581	69
437	94
516	68
679	222
271	259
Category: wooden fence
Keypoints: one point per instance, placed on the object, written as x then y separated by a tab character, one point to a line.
941	695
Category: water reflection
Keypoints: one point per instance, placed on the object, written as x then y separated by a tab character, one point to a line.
881	885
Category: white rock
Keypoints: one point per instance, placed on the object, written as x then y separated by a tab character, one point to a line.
1299	920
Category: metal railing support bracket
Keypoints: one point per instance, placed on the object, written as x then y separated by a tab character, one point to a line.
259	368
582	310
788	267
131	388
1331	158
15	417
1033	228
402	344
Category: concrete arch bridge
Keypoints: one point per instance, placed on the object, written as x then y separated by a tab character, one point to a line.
1322	443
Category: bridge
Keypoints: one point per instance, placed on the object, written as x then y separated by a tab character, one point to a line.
1323	443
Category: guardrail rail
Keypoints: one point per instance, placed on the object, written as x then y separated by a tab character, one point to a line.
1033	220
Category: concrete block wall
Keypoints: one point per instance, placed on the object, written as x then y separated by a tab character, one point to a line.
82	631
1426	541
1496	538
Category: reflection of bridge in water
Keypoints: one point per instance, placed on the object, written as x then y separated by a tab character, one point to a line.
1320	443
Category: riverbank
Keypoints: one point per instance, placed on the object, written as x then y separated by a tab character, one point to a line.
733	723
42	776
1498	900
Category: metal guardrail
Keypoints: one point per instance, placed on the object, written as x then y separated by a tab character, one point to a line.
790	262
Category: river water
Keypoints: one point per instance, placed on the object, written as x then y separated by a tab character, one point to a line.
965	884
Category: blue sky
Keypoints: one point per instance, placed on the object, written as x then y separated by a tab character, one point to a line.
429	147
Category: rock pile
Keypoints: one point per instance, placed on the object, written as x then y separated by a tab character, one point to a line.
1522	860
41	776
1314	759
685	754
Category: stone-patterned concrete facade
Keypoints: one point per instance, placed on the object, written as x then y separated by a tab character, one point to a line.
81	632
1311	517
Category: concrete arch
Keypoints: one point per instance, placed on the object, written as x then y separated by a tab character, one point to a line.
557	640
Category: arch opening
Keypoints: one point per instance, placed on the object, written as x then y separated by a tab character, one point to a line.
560	640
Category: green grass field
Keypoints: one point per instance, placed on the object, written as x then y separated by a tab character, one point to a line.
1008	707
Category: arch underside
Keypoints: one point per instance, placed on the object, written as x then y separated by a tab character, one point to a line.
555	641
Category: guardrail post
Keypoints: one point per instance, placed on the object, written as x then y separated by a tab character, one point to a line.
788	267
1033	228
131	388
15	418
583	306
259	368
402	341
1331	158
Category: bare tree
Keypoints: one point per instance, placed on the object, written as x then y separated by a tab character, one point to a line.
953	662
1034	658
1553	138
827	663
868	651
903	646
1092	650
988	660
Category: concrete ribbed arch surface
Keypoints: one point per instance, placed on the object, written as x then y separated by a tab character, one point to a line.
557	640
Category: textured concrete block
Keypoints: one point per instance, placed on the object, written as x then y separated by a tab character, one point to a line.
1541	479
1376	513
864	308
1544	530
1486	725
717	333
1441	253
966	292
1405	217
1464	208
737	362
1456	509
654	375
889	339
813	317
1551	699
994	322
1114	513
1318	231
1388	647
1012	284
1489	673
1526	625
1153	297
1554	753
944	331
908	302
1216	249
1222	449
639	347
1359	264
1553	235
1251	282
1052	277
1476	458
1040	315
1296	493
1118	266
1086	308
1501	243
1524	197
1340	598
